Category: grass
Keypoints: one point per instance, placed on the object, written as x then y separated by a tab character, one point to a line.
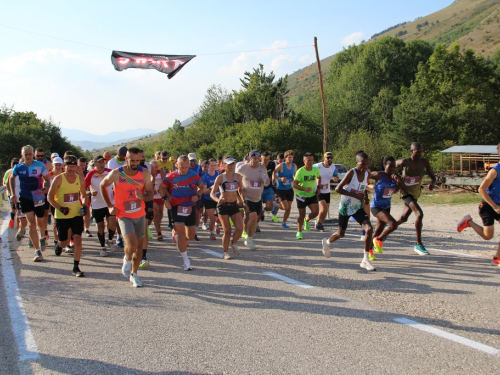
465	197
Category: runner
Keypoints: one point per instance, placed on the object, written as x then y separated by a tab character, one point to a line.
57	169
254	177
283	175
180	192
228	204
22	223
327	172
208	202
100	210
64	195
132	186
149	211
164	162
353	191
413	173
157	201
268	194
196	168
6	185
489	209
40	156
82	163
33	184
107	156
306	182
119	160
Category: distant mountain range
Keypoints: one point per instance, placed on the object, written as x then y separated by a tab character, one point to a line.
89	141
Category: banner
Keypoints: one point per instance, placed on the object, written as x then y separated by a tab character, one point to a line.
168	64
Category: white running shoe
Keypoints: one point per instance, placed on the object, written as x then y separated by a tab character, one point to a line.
69	249
226	255
111	246
102	252
326	247
204	226
366	264
236	249
134	279
127	267
187	265
250	244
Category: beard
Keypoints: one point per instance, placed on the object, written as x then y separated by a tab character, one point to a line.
133	167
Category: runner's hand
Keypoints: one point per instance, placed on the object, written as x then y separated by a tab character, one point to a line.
167	204
497	209
113	211
13	199
64	210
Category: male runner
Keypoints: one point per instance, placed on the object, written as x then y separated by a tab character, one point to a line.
166	165
132	186
254	177
268	194
64	195
196	168
33	184
327	172
14	161
283	175
149	215
413	172
82	163
118	161
40	156
181	190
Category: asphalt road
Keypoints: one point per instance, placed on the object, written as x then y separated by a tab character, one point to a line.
414	315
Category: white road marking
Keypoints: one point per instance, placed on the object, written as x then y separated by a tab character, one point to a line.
214	253
287	280
26	345
450	336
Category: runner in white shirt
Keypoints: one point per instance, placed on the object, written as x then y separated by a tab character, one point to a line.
119	160
327	172
159	175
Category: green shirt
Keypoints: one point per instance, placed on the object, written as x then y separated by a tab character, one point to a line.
6	176
307	179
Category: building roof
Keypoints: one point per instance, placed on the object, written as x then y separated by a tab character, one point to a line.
473	149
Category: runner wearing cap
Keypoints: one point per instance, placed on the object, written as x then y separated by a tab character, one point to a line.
254	178
119	160
208	202
196	168
228	203
53	156
100	210
40	156
33	184
57	169
181	190
64	194
327	172
283	175
268	194
132	186
107	156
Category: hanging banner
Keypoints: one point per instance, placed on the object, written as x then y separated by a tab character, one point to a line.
168	64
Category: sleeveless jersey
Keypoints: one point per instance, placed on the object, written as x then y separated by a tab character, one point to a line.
158	181
68	195
384	189
126	201
494	189
349	205
228	186
93	181
413	179
288	173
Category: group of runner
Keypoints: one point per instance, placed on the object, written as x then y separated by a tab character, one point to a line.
128	191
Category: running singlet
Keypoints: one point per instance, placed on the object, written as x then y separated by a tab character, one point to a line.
6	177
271	166
413	179
93	181
31	180
182	187
384	190
156	188
228	186
326	175
288	173
348	205
494	189
209	181
126	202
68	195
307	179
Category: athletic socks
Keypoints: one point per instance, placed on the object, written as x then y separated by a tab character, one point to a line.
185	256
111	233
76	263
144	252
101	238
12	215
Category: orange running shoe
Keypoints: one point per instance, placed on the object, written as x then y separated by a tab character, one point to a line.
464	223
11	223
495	261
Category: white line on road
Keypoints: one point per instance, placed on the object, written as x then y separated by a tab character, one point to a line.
449	336
214	253
26	345
287	280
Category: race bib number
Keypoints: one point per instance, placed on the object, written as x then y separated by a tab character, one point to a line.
255	184
412	180
184	211
231	186
325	186
39	203
132	206
302	199
71	198
287	182
388	192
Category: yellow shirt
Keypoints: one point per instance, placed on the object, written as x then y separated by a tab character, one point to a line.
68	195
163	165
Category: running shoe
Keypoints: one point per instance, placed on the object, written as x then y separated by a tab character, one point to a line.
275	219
257	230
144	263
236	249
170	226
11	223
159	237
38	256
420	249
372	256
30	244
119	242
174	236
307	226
150	235
244	235
87	233
196	237
212	236
78	273
111	246
187	265
378	245
326	247
57	250
495	261
298	235
319	226
20	234
464	223
43	243
226	255
204	226
102	252
285	226
134	279
217	228
367	265
363	236
69	249
262	216
127	267
47	236
250	244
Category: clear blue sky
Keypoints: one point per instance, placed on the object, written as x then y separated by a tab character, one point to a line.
78	88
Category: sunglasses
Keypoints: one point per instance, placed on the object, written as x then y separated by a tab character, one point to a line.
40	156
329	157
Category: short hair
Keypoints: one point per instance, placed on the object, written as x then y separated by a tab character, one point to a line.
39	149
360	156
141	151
154	162
82	160
281	156
14	161
416	146
211	160
206	162
164	153
68	153
265	153
133	150
386	160
289	152
27	147
307	154
70	159
182	158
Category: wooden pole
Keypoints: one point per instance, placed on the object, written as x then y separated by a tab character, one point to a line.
322	93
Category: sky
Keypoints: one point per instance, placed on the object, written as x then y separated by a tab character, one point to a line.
73	82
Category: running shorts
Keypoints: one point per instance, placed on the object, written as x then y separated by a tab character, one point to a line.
306	202
229	208
137	226
488	214
285	195
376	210
100	213
268	194
209	205
63	225
360	216
325	197
28	205
184	215
254	207
158	201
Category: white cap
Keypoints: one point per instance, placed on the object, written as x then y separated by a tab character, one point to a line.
229	160
191	156
54	155
57	160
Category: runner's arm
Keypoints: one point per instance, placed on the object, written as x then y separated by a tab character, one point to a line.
430	171
347	179
83	193
12	186
490	177
148	187
111	178
215	189
53	191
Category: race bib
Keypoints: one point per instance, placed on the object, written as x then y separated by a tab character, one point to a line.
255	184
302	199
325	186
388	192
287	182
132	206
184	210
230	186
412	180
71	198
39	203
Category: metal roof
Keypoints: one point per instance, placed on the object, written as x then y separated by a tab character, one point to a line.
474	149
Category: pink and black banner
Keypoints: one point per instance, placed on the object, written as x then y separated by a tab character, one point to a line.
168	64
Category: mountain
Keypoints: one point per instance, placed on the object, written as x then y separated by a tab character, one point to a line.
474	24
89	141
